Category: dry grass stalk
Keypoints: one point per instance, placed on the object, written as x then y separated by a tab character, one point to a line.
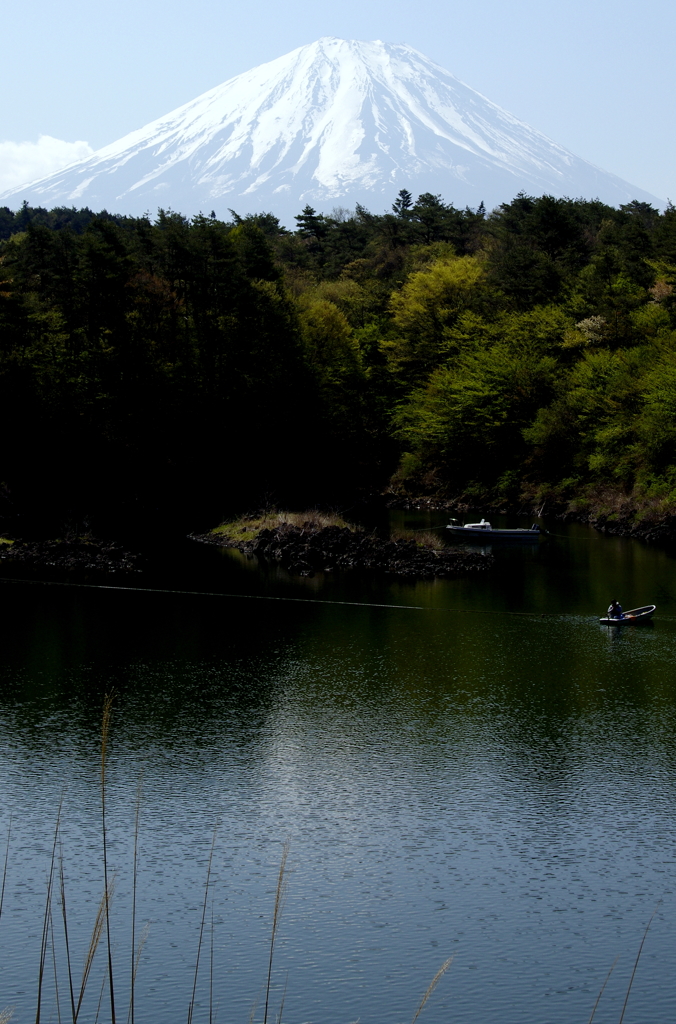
431	987
598	998
56	973
211	968
281	1005
98	1007
248	527
276	915
139	948
424	538
4	873
313	519
97	932
136	961
65	932
48	915
105	732
6	1014
191	1006
135	954
638	957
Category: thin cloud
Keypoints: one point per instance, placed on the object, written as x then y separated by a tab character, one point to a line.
21	162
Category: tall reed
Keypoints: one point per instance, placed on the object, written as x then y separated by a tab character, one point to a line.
135	955
276	915
48	915
633	973
56	973
97	932
4	873
598	998
65	932
5	1014
191	1005
105	730
431	987
638	957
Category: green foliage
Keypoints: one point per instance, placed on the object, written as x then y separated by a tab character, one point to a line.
428	307
133	349
467	420
216	362
402	203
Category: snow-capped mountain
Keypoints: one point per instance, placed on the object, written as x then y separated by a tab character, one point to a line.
330	124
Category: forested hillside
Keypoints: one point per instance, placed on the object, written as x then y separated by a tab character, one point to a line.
202	366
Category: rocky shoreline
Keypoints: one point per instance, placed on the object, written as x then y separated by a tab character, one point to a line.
73	553
659	531
306	551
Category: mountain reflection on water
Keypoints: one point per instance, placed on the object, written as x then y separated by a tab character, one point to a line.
490	775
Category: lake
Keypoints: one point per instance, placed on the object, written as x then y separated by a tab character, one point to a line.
477	769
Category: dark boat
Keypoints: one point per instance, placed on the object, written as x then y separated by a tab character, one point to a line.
635	615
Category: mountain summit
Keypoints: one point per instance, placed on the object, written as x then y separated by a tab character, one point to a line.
332	123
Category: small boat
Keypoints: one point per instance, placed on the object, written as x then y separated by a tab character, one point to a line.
484	530
635	615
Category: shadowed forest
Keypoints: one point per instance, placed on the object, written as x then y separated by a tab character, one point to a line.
191	367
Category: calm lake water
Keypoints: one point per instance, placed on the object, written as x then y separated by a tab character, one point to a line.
478	770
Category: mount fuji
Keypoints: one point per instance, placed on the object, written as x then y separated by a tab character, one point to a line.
332	123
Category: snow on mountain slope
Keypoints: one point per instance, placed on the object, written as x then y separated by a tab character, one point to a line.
332	123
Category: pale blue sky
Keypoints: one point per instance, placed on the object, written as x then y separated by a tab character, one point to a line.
598	77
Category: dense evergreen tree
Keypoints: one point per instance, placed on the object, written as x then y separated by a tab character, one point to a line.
403	203
205	364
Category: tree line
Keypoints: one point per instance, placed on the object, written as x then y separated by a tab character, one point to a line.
198	365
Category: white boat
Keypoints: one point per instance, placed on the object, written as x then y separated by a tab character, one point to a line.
634	615
484	530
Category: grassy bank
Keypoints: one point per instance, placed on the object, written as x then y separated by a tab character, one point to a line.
248	527
305	543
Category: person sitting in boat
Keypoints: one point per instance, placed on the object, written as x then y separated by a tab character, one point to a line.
615	610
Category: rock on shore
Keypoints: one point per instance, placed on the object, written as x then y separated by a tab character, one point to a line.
304	550
72	553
